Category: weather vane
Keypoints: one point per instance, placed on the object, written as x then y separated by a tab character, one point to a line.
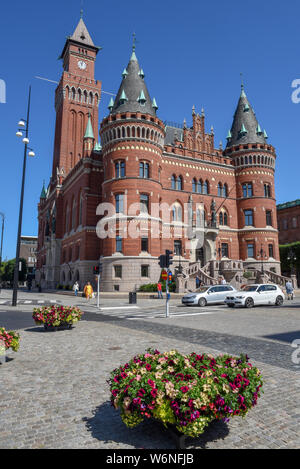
133	41
81	10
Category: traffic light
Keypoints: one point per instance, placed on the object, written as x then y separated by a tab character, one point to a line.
162	261
169	258
96	270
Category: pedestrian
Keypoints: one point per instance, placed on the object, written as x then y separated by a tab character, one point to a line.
88	291
289	290
223	281
198	282
76	288
159	290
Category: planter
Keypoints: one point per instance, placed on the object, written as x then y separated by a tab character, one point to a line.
65	316
184	393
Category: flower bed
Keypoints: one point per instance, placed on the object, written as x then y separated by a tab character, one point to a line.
9	340
56	316
186	391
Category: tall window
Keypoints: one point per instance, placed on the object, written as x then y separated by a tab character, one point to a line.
247	189
248	217
205	188
120	169
271	250
194	185
144	244
225	190
118	271
267	190
173	182
144	203
144	170
179	184
269	217
177	248
119	202
224	249
119	244
200	187
220	189
250	250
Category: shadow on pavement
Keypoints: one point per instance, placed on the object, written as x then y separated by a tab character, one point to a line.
106	426
284	337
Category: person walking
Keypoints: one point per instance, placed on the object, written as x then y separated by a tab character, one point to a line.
88	291
76	288
223	281
289	290
159	290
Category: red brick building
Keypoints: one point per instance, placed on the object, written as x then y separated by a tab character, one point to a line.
168	185
288	218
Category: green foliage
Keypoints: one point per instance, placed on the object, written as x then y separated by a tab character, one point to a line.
7	271
247	274
287	265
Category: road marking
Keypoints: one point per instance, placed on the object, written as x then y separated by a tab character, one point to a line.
118	308
27	302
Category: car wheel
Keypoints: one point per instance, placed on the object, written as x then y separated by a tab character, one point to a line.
249	303
279	301
202	302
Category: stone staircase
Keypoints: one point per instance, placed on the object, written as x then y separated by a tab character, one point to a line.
231	270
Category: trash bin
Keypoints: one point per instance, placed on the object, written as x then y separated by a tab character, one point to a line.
132	297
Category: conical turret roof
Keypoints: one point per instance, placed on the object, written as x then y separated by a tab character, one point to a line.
89	129
245	125
133	87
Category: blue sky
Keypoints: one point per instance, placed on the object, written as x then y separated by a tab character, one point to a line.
192	53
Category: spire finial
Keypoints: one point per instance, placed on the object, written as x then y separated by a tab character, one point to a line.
242	81
133	42
81	9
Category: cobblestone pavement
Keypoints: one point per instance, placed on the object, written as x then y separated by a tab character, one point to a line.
54	393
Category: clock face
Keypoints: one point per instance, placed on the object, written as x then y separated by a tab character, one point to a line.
81	64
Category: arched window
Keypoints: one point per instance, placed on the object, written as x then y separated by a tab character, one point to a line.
225	190
91	98
220	189
194	185
205	188
176	212
200	188
80	209
179	184
173	181
221	218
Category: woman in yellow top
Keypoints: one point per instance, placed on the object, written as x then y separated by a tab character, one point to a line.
88	291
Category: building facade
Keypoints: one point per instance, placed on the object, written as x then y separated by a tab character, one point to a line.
288	219
147	186
28	251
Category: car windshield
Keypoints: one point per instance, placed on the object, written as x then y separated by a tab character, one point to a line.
202	289
250	288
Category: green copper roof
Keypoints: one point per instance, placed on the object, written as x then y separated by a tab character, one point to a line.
258	130
89	129
133	56
154	104
111	104
293	203
141	98
265	134
246	108
43	193
141	73
97	146
229	135
243	129
125	73
123	96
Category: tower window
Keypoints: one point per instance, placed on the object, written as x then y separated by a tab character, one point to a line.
247	189
269	217
250	250
144	203
120	169
267	190
119	244
224	249
119	202
248	217
144	170
271	250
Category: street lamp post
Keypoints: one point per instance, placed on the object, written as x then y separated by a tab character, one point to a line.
262	256
24	124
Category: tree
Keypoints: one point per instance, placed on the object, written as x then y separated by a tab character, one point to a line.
7	271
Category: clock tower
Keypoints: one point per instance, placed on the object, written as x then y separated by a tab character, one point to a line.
77	97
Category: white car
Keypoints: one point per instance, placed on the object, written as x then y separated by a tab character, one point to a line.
259	294
208	295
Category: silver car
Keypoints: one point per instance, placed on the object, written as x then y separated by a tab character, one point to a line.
208	295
